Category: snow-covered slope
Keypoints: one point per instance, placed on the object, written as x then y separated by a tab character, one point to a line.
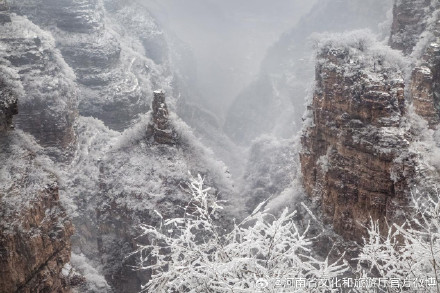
117	180
47	106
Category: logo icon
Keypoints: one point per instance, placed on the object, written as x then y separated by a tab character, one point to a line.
261	283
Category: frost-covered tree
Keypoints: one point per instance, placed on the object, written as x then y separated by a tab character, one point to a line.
193	253
410	252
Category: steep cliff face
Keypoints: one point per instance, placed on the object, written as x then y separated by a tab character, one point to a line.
34	238
410	19
101	59
416	31
369	144
355	156
425	92
34	229
47	107
116	50
111	55
424	84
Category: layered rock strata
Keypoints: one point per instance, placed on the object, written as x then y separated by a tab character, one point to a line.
34	229
425	87
47	108
416	32
34	241
355	157
410	19
117	51
425	92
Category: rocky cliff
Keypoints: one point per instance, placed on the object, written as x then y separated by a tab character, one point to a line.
47	109
103	59
34	236
424	86
350	149
159	129
410	19
117	51
37	95
8	101
367	146
416	31
34	228
66	60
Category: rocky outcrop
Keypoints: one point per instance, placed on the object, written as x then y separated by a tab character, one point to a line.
416	31
35	249
425	93
118	55
425	88
364	150
75	16
119	217
410	19
110	55
355	157
8	105
160	129
34	229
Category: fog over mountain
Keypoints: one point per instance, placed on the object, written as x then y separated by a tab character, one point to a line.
219	146
228	38
274	102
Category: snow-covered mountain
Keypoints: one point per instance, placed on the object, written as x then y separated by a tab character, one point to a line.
102	124
79	77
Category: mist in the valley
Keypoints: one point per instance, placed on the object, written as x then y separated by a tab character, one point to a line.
229	39
250	64
252	61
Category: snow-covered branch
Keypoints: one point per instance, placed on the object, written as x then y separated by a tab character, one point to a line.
190	254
